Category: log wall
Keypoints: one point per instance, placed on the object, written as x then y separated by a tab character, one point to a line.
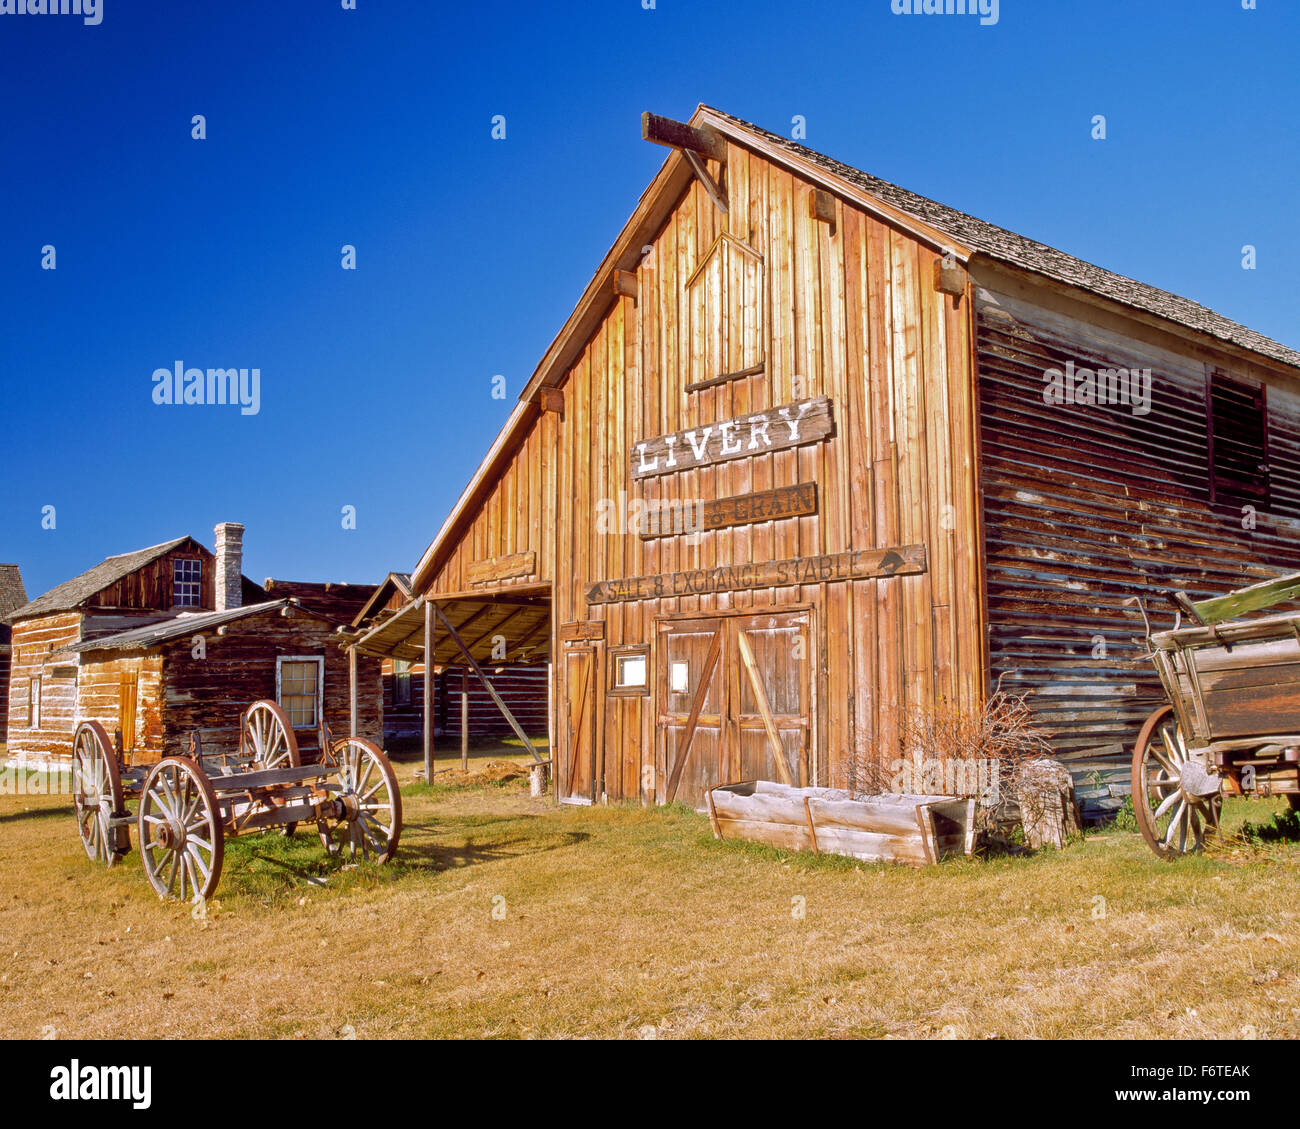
39	652
1087	505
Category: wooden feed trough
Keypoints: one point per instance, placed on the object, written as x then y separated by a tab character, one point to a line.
909	829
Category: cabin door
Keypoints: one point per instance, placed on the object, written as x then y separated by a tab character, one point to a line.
581	697
735	702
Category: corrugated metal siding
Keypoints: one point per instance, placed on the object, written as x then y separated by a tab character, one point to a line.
1088	505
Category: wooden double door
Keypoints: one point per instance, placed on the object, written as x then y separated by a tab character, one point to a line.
734	701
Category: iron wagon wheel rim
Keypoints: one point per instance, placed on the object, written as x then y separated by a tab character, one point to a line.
97	793
372	825
1160	751
182	838
267	731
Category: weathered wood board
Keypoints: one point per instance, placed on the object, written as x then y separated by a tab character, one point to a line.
859	564
910	829
745	436
720	513
502	568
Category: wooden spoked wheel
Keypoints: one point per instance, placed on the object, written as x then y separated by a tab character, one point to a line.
1176	800
182	839
371	822
266	734
97	794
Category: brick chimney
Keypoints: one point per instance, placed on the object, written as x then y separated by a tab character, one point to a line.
230	564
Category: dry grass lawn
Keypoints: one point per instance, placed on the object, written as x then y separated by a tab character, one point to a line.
508	917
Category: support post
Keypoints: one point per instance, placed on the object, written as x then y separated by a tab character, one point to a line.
492	690
428	692
352	690
464	718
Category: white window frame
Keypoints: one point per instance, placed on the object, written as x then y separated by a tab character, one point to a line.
187	584
34	702
319	660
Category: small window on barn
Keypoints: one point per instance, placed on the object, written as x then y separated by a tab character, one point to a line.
187	583
34	704
1239	473
631	670
401	682
298	680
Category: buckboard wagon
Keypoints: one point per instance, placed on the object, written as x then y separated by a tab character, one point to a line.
190	804
1232	722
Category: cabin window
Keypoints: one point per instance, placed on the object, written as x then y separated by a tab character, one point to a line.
1239	473
298	682
34	704
631	670
401	682
187	578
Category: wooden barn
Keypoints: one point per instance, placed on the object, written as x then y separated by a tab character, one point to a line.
173	639
461	703
12	597
813	451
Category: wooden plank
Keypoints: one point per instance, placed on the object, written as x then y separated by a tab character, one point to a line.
743	509
582	629
726	378
678	135
790	425
858	564
428	691
502	568
1254	598
625	284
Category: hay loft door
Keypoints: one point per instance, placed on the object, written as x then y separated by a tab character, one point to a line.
577	783
735	702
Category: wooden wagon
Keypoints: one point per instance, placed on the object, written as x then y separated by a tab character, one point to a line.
1232	722
189	804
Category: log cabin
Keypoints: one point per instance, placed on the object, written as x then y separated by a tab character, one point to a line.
174	640
12	597
812	452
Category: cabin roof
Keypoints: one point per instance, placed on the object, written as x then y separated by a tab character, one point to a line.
183	623
926	219
12	593
75	592
399	582
1028	254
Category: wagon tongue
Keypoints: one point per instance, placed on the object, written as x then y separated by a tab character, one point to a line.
1196	782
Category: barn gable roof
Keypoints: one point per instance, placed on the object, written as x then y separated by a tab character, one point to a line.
939	226
12	593
185	623
1028	254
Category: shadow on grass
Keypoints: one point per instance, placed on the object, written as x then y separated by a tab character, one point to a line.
60	813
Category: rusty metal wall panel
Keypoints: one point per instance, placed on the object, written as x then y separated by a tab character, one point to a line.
1086	505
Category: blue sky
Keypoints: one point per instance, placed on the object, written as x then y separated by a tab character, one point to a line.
372	127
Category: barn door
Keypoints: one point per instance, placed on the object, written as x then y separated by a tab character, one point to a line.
771	710
580	702
735	702
692	695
